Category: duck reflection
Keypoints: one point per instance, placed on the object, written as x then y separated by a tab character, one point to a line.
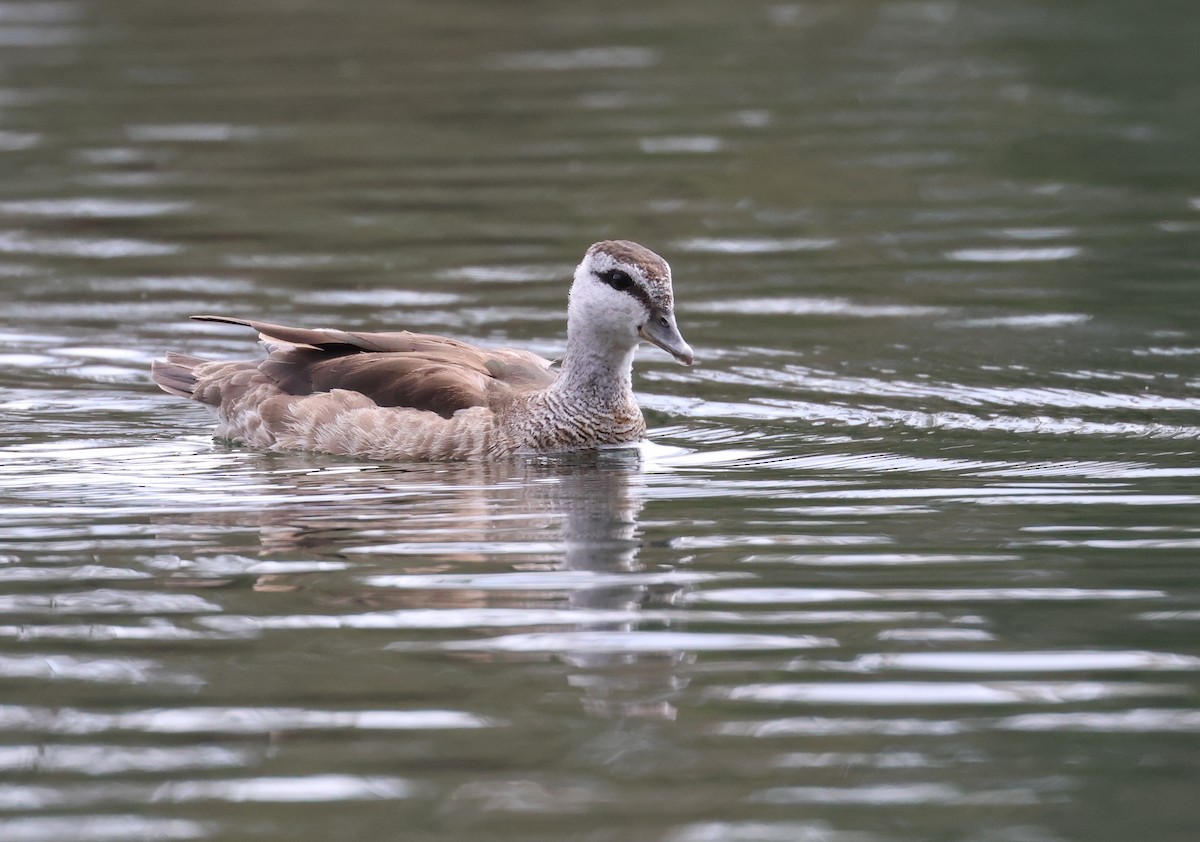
544	549
575	512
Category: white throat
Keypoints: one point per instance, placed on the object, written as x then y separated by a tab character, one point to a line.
601	341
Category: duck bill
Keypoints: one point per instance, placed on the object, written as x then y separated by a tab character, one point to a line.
662	331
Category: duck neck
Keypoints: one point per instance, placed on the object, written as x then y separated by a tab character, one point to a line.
596	372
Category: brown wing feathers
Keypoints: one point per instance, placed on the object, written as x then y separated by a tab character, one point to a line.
393	379
394	369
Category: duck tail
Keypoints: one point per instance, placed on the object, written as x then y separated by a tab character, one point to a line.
176	374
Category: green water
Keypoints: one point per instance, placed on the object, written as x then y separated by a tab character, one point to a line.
913	555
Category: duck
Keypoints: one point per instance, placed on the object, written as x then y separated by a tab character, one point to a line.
403	396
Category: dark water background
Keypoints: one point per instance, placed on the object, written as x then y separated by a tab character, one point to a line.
914	556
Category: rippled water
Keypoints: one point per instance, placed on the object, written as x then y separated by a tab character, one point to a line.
913	555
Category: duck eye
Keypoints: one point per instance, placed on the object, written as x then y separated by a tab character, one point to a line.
616	279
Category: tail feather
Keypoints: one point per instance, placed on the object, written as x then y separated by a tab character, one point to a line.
176	373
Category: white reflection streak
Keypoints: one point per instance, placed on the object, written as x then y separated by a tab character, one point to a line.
1034	320
1039	495
550	580
504	274
229	720
11	141
809	726
1124	543
1025	661
475	618
966	394
585	58
278	790
101	829
693	145
879	795
37	36
939	693
156	630
839	759
796	306
634	641
313	788
98	670
98	760
1015	254
19	242
190	133
763	831
753	245
747	596
886	795
1120	722
92	208
106	601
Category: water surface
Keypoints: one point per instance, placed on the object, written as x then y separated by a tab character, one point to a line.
912	555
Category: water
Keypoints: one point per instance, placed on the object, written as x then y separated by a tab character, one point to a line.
912	556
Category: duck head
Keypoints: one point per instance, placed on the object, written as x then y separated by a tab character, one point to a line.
623	290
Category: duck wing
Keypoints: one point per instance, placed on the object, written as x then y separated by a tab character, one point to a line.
400	369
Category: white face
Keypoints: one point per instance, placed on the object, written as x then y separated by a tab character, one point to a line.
622	294
610	294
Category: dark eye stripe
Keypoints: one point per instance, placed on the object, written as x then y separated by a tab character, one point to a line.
622	282
616	279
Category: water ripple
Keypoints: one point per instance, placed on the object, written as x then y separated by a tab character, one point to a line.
768	596
1034	320
585	58
640	641
914	549
821	726
753	245
105	601
11	141
87	572
100	633
37	36
550	580
230	720
99	670
1014	254
505	274
100	759
20	242
1150	720
941	693
533	617
101	828
762	831
1079	661
799	306
962	393
191	133
92	208
304	789
279	790
881	795
379	298
687	144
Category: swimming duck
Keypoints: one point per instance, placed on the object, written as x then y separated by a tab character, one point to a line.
417	397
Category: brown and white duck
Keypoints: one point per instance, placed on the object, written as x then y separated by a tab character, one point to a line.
410	396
